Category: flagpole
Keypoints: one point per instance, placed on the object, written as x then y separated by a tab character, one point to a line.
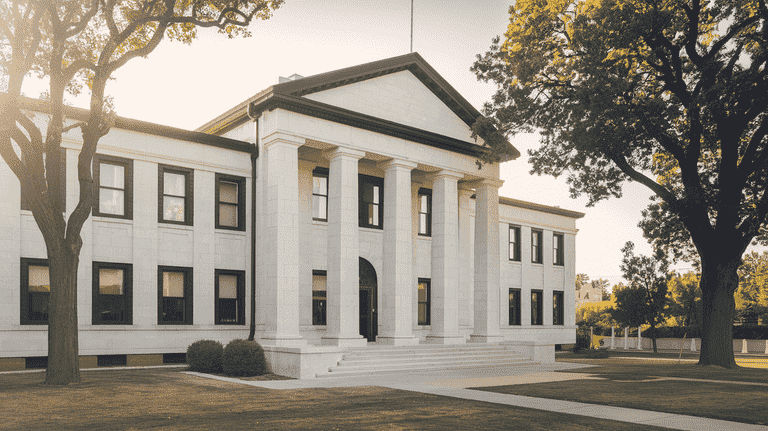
411	25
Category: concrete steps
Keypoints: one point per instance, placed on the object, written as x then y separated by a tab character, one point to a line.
375	360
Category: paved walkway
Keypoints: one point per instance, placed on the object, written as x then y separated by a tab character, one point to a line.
456	384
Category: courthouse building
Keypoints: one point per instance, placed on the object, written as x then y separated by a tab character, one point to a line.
335	212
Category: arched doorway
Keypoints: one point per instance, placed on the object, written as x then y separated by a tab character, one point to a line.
368	301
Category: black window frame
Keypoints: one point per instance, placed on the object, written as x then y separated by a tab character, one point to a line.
558	308
536	246
425	193
537	313
240	299
62	186
515	302
24	302
514	245
320	172
364	181
188	295
98	159
428	307
319	303
558	244
240	181
189	198
127	301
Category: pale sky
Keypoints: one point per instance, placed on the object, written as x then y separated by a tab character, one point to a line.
185	86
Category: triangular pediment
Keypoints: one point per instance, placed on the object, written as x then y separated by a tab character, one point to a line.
399	97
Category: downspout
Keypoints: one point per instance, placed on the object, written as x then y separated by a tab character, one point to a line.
254	156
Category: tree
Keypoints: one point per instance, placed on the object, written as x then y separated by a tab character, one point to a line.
644	300
77	43
752	293
581	280
685	298
602	287
671	94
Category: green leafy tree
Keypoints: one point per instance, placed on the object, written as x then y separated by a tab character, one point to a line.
670	94
74	43
581	281
602	287
752	293
685	298
644	300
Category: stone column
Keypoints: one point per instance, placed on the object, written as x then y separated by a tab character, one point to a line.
343	280
613	338
626	338
444	318
397	283
466	310
306	242
281	240
639	339
487	281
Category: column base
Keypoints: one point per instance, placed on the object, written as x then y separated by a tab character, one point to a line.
344	342
282	341
481	338
397	341
445	339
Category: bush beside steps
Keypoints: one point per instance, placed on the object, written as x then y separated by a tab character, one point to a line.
240	358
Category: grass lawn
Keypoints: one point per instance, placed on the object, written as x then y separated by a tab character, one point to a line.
167	399
645	385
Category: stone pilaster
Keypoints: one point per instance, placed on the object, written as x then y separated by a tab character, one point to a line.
281	240
396	291
486	328
343	279
444	317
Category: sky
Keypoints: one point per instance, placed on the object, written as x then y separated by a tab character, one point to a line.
186	85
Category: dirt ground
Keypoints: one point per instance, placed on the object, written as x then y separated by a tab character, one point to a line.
167	399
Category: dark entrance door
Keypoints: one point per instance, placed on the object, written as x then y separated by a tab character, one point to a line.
368	317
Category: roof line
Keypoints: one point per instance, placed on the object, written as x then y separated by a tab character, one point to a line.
149	128
539	207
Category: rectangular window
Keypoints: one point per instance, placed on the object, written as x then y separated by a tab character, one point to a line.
536	237
174	295
558	317
514	306
514	243
425	212
175	195
537	307
319	299
113	187
230	202
557	248
112	294
320	194
229	307
424	299
62	185
35	291
371	201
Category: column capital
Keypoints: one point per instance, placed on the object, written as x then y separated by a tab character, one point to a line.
343	151
465	191
397	163
445	173
282	138
485	182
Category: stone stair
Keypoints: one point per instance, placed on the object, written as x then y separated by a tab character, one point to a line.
376	360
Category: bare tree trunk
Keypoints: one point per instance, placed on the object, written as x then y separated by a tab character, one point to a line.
63	359
719	281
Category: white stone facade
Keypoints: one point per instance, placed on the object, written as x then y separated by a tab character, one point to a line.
388	133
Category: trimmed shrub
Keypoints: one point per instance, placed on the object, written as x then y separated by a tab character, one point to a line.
674	332
594	354
582	342
205	356
244	358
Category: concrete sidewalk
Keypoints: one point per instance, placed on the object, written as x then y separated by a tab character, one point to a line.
458	384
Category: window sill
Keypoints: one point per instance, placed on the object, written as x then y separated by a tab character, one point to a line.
175	227
231	232
117	220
